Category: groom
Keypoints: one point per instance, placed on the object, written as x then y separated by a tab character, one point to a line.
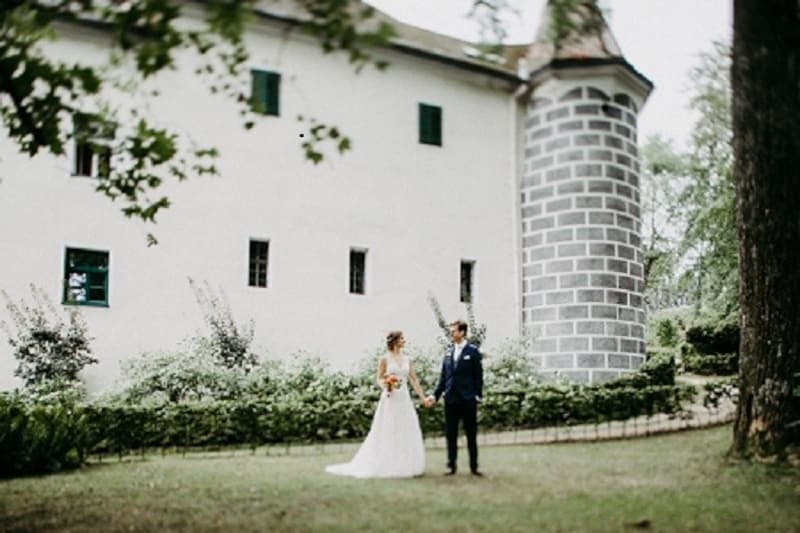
461	382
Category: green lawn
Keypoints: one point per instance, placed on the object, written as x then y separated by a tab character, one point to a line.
678	482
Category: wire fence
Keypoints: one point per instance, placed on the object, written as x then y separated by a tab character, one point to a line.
694	417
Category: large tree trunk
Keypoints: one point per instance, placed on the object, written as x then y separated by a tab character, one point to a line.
766	126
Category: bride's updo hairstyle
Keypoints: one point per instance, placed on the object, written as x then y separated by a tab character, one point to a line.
393	338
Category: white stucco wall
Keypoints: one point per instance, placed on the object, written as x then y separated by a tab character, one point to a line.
418	209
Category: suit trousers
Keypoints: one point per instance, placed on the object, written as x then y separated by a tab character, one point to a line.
453	414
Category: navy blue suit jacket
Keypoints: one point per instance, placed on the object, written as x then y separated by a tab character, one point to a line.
462	381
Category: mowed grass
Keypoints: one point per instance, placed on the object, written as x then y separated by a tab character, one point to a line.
678	482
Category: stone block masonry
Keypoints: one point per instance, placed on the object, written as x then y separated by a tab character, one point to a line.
580	215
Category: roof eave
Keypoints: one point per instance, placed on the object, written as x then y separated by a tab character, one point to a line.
417	51
464	64
641	84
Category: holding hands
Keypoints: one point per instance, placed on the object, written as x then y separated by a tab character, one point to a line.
429	401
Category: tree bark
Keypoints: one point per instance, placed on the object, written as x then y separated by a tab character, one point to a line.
766	142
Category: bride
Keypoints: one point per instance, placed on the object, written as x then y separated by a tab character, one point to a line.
393	447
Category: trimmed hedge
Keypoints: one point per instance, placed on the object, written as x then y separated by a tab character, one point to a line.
552	405
659	367
39	439
716	391
714	338
721	364
712	349
120	429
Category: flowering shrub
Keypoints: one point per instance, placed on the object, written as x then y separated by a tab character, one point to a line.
511	365
50	349
427	362
229	343
476	333
191	373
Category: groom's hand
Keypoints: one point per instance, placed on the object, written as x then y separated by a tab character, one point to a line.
429	401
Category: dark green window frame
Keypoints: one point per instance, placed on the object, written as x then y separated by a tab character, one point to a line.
265	92
259	263
430	124
467	280
86	277
358	271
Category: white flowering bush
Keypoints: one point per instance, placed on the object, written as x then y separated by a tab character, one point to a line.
476	333
427	361
511	365
55	391
190	373
51	350
228	342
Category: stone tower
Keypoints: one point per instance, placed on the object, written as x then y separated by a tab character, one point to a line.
582	275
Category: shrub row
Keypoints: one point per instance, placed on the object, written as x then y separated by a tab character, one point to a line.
714	338
47	438
658	369
721	389
40	438
721	364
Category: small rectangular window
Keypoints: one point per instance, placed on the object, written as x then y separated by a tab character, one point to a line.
430	124
358	263
93	138
265	92
85	277
467	272
84	156
259	261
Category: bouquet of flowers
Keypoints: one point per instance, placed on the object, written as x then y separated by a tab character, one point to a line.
391	382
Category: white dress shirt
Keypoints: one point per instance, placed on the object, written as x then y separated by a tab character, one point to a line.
457	349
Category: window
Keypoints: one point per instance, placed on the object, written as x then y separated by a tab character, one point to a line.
93	137
467	270
265	95
259	259
430	124
85	277
358	262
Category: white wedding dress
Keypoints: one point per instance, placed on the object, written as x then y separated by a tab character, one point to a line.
393	447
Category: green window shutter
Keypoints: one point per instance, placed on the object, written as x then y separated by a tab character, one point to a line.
424	126
258	92
430	124
265	92
273	82
436	125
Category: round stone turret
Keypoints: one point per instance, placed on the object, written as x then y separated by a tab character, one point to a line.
580	209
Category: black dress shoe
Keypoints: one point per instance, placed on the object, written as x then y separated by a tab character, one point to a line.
477	473
450	472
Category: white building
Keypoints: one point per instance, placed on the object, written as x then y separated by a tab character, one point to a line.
516	181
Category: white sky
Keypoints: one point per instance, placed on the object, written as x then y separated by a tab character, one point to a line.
660	38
